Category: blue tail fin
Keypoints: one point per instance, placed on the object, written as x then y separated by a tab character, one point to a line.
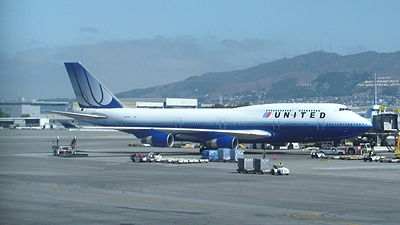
89	92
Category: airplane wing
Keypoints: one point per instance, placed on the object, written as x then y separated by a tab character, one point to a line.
240	134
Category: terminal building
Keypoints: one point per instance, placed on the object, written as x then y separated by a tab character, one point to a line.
30	114
29	122
31	108
160	102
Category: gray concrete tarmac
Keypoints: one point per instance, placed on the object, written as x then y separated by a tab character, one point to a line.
106	188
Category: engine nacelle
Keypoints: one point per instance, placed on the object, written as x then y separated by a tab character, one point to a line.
223	142
159	140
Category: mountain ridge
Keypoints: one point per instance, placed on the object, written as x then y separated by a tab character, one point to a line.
302	69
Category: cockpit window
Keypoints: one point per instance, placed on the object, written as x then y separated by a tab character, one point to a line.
344	109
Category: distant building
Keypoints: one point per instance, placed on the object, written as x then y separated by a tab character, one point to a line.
180	103
154	103
31	108
149	104
143	102
19	122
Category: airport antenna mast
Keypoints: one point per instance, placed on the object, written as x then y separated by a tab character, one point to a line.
375	90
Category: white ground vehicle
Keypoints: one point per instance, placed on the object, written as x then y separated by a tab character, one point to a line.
317	155
332	151
279	170
310	148
372	157
151	157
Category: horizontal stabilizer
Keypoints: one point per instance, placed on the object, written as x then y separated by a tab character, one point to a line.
79	115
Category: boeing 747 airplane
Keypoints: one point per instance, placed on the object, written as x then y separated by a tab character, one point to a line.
213	128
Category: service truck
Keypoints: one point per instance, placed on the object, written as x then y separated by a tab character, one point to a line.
356	150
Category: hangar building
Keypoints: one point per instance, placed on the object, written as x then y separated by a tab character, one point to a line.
31	108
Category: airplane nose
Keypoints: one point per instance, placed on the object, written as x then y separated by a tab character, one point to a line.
366	124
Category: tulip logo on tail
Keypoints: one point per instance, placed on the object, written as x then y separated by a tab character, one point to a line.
89	92
266	114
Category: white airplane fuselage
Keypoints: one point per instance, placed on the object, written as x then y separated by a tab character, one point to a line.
286	122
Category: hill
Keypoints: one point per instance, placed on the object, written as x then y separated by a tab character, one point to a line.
314	74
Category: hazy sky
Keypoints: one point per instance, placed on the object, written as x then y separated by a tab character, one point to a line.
137	44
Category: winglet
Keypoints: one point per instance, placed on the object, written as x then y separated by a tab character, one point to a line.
90	92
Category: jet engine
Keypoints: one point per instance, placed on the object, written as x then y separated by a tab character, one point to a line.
223	142
159	140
